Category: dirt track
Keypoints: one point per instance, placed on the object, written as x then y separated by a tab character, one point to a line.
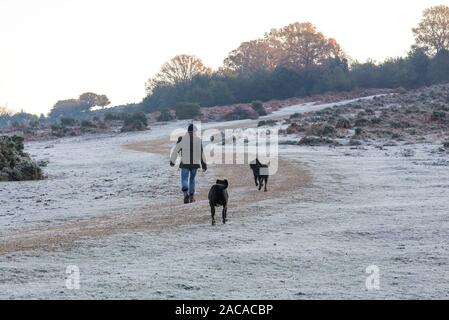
160	217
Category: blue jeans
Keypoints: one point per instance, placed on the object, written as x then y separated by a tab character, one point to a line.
188	180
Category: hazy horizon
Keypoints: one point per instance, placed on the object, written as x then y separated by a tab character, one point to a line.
52	50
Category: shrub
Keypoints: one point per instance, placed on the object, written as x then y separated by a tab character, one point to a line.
102	125
59	131
355	142
294	128
240	114
136	121
269	122
446	144
324	129
87	124
296	115
16	165
396	124
259	108
343	123
113	116
187	110
315	141
68	122
361	122
34	124
328	130
438	115
358	131
165	116
376	120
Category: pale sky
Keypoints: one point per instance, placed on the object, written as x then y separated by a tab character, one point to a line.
57	49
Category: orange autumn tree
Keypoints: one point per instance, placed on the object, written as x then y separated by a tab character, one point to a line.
251	56
296	46
300	45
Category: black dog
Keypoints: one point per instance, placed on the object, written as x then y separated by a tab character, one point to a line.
218	196
260	177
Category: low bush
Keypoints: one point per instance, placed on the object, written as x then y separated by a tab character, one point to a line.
113	116
136	121
343	123
87	124
315	141
438	115
259	108
15	164
323	129
165	116
69	122
187	110
361	122
269	122
240	114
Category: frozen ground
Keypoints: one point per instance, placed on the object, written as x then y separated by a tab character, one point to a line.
364	207
87	176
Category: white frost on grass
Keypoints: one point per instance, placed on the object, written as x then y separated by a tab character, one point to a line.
365	206
87	176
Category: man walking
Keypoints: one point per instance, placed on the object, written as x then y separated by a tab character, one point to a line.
192	158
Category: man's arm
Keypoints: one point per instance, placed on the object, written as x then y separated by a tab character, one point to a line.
175	151
203	159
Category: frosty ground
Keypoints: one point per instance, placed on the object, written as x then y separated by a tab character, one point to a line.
351	208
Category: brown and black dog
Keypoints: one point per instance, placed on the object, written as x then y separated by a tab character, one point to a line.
218	196
260	176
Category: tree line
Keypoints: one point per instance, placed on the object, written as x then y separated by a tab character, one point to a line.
296	61
80	107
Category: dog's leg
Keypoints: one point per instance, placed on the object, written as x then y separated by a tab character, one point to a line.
224	213
212	210
260	183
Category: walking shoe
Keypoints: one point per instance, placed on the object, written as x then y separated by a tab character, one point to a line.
192	198
186	197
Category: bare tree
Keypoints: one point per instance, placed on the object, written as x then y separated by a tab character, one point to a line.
181	68
4	112
432	33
